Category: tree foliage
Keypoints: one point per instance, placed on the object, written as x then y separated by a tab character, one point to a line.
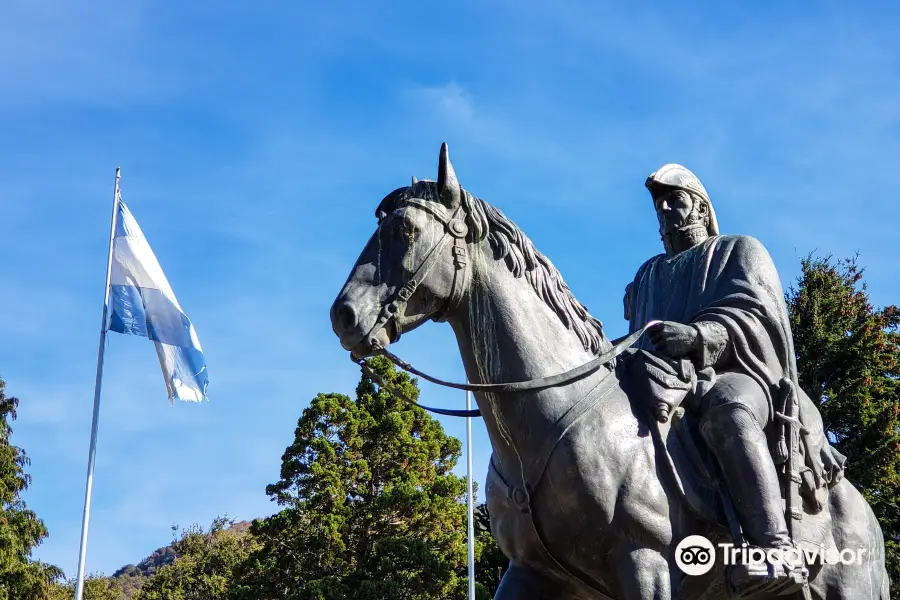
848	359
96	587
490	563
21	578
204	565
371	509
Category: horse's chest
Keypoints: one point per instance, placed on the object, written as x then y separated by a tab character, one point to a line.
604	474
598	488
604	492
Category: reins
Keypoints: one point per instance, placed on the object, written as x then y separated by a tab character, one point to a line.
455	230
618	347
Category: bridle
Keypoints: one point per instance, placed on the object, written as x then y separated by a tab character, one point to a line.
455	231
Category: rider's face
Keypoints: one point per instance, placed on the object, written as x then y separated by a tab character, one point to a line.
673	209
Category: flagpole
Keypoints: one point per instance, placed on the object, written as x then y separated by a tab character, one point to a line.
470	501
79	586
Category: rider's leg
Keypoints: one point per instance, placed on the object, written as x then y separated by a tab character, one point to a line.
732	426
734	413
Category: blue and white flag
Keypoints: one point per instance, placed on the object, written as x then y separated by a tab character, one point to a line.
142	303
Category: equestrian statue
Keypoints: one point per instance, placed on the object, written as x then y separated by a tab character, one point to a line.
612	458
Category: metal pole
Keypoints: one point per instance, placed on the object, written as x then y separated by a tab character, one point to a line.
79	585
471	500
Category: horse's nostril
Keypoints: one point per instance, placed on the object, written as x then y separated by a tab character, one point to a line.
345	317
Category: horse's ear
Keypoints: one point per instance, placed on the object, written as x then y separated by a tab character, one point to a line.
414	180
447	184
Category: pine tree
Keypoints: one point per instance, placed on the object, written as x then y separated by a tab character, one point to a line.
21	578
848	360
371	508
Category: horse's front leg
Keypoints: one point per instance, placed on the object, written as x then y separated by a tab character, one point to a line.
643	573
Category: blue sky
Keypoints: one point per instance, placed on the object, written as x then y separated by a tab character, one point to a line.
255	140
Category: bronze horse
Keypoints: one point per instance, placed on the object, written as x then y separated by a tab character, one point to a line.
579	496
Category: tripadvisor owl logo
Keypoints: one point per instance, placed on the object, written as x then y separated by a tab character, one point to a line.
695	555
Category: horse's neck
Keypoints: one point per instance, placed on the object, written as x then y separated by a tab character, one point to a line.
506	333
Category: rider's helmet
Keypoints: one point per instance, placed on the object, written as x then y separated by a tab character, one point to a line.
673	176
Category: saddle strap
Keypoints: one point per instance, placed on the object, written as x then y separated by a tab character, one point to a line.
521	495
522	500
569	418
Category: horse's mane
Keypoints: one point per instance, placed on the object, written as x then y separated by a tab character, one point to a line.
510	244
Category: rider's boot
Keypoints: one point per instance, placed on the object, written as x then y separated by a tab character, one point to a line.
735	437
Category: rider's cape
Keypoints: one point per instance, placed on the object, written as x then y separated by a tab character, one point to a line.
730	280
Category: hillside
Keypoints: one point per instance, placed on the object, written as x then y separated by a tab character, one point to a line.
130	577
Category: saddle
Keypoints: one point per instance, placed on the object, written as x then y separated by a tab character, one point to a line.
671	386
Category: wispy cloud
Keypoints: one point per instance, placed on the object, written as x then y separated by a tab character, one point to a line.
482	127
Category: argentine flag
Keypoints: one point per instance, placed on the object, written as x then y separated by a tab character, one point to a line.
142	303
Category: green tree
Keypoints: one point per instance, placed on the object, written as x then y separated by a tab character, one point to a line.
371	509
21	578
848	359
490	562
204	565
96	587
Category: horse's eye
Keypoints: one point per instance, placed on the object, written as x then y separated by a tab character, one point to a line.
401	229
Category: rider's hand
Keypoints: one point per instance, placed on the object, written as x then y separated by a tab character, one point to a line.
674	339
